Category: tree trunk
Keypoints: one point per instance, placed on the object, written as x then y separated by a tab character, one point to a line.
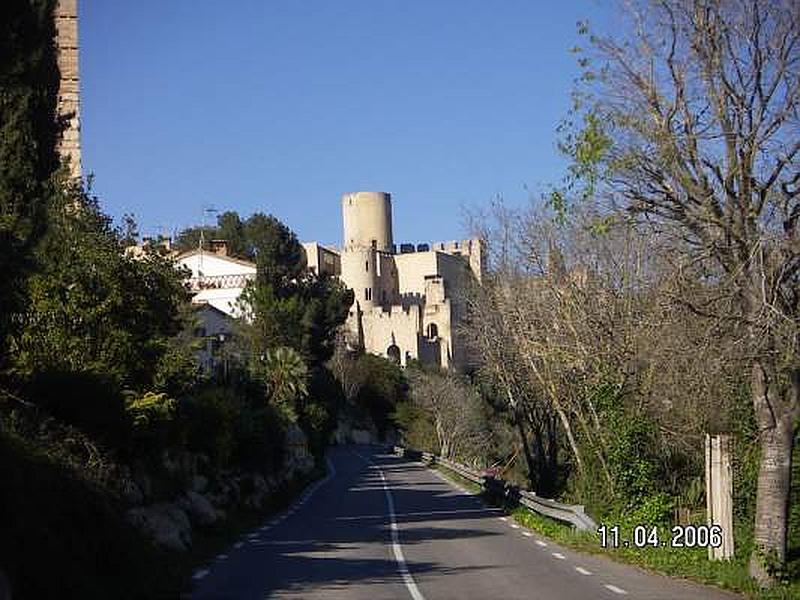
526	449
776	408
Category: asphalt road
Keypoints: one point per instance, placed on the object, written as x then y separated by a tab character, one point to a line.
384	527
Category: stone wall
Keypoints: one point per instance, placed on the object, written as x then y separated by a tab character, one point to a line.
66	23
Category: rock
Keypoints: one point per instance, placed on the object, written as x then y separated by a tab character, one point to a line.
5	587
199	484
260	484
145	485
199	508
298	459
131	492
166	524
360	436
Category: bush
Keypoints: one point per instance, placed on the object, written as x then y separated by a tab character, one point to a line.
90	401
65	537
383	388
259	439
209	419
152	419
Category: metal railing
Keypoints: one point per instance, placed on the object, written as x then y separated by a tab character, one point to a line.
575	514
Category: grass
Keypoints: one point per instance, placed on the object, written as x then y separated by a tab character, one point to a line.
688	563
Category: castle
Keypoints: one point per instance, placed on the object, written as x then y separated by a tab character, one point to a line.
407	303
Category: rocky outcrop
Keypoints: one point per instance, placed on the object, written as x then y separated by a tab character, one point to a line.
199	508
166	524
205	494
298	458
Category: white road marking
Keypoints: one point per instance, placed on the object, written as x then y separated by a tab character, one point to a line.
615	589
479	512
559	556
583	571
222	556
504	519
200	574
238	544
514	526
398	549
541	543
527	534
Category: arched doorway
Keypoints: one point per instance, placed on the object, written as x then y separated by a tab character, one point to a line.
393	352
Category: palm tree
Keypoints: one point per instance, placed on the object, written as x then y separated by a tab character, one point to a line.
286	375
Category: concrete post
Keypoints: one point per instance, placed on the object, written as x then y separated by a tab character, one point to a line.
719	493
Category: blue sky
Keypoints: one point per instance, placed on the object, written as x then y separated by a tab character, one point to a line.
282	106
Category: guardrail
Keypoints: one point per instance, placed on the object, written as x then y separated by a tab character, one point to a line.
575	514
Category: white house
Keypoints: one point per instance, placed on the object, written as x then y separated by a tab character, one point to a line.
216	278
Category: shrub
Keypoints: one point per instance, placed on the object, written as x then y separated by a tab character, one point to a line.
152	419
90	401
209	419
55	521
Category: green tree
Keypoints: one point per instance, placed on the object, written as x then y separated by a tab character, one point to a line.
231	229
691	123
286	305
278	255
93	308
28	132
286	375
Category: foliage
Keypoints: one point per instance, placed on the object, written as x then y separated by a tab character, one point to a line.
152	417
260	238
448	407
210	418
696	107
286	375
93	308
56	516
92	402
29	80
383	388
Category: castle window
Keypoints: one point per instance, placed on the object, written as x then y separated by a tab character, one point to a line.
367	293
393	353
366	266
433	331
383	296
374	244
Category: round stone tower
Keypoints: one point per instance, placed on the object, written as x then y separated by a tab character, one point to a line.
367	220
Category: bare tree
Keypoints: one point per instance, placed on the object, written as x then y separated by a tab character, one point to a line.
692	122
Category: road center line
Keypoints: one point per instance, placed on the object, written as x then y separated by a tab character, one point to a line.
541	543
583	571
559	556
396	547
615	589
